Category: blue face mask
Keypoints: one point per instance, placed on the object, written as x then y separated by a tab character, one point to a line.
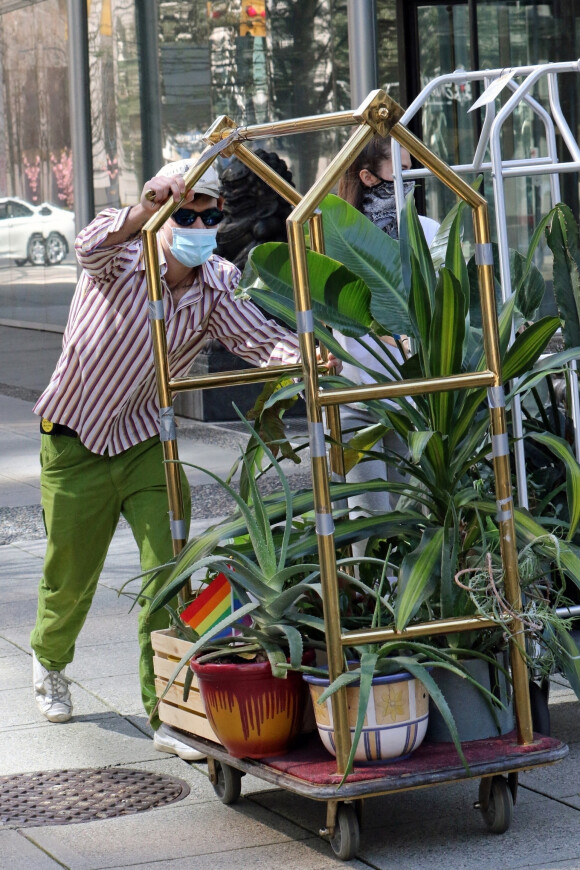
192	247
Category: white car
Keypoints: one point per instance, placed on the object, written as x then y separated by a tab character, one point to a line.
42	234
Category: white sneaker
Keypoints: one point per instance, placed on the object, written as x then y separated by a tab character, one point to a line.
51	692
163	741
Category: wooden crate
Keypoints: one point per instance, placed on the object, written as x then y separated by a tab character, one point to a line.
173	710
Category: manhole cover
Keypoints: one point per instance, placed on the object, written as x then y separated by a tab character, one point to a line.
64	797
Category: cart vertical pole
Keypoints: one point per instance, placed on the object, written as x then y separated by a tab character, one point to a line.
320	486
332	412
504	496
319	462
499	435
167	431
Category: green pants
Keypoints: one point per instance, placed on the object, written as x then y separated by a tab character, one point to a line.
83	496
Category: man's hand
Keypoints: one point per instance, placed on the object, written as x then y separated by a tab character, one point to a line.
156	192
159	189
331	363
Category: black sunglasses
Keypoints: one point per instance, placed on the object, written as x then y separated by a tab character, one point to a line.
185	217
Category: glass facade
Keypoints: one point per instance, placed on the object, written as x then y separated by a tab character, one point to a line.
493	35
115	102
253	61
38	270
37	263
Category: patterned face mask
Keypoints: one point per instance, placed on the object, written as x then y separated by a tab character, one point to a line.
380	207
389	186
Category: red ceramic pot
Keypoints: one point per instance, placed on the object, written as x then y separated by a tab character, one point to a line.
254	714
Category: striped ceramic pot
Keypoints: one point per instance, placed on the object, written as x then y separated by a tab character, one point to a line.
395	722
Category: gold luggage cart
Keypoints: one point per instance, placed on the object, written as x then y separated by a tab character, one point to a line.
308	770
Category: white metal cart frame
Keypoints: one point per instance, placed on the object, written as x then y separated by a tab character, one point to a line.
553	120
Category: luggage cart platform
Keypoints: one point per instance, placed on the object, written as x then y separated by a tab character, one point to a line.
309	770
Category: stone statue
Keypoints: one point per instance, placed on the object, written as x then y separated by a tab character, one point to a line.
254	213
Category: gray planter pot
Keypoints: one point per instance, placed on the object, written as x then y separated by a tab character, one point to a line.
470	709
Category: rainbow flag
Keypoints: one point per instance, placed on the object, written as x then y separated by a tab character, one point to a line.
211	606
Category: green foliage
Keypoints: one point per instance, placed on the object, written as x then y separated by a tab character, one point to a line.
548	639
446	446
257	564
369	254
335	288
368	285
561	237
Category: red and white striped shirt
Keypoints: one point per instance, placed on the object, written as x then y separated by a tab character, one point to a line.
104	386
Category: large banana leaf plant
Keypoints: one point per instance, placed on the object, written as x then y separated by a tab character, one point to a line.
368	286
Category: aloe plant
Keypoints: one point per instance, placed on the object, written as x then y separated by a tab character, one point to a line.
363	664
267	582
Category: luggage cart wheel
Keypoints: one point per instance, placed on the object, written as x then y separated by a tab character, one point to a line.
228	785
345	841
497	808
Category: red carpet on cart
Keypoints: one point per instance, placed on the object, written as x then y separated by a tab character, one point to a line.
311	762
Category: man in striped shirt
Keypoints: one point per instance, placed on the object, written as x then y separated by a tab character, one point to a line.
101	455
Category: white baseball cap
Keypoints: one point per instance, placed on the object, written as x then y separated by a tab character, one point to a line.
209	182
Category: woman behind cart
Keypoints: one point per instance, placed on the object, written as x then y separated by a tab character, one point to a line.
368	185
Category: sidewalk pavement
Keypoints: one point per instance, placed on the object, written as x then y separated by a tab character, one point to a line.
269	828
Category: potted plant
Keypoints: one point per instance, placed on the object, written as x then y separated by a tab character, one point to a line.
389	685
445	518
253	695
546	644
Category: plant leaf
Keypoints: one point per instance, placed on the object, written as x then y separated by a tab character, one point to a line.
569	659
446	343
359	445
412	239
420	310
367	670
422	674
417	576
562	450
339	297
352	239
561	238
438	247
455	261
528	346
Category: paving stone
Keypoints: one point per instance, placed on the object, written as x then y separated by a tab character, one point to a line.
559	780
312	854
168	834
15	672
19	853
438	828
88	740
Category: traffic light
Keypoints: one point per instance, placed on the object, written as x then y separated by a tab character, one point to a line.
253	18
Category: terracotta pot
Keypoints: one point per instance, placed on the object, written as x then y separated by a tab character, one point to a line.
254	714
395	722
